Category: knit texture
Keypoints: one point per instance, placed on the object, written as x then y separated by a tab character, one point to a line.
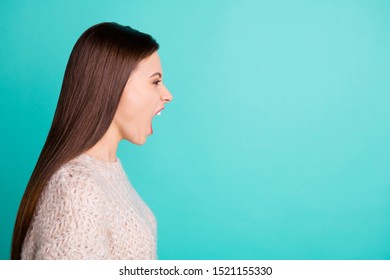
90	210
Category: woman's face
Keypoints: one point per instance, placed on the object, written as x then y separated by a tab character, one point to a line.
144	95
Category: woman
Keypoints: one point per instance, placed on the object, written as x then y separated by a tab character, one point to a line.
79	203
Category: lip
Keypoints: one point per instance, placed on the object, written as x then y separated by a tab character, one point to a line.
159	111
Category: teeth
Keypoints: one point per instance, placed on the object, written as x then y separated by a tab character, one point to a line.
159	113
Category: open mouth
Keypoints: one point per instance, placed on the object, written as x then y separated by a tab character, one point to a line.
157	113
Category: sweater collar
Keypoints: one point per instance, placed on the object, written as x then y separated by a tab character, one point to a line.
115	166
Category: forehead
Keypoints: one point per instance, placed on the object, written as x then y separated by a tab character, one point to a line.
149	65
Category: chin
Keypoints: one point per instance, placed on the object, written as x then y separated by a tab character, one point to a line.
137	141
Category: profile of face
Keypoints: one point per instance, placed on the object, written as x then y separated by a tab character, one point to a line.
143	97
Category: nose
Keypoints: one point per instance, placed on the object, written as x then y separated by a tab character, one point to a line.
166	96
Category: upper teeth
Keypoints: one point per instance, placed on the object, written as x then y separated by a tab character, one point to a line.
159	113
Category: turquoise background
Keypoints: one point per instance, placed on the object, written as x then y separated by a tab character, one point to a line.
277	142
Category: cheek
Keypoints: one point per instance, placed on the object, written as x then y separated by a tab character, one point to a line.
135	109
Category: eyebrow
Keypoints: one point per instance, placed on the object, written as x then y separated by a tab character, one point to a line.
154	74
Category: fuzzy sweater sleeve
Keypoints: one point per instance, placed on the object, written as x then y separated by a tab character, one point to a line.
72	222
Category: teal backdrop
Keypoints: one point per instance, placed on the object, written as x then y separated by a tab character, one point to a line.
277	142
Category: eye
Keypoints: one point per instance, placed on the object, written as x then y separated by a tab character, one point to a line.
156	82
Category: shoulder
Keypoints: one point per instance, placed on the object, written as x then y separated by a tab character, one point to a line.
74	171
73	181
71	194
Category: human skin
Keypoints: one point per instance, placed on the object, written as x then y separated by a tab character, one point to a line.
143	96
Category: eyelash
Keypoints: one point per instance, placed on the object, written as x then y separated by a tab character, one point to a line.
156	82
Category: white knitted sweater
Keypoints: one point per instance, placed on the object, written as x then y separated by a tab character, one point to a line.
90	210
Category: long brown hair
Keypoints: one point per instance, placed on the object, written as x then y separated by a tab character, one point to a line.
97	71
